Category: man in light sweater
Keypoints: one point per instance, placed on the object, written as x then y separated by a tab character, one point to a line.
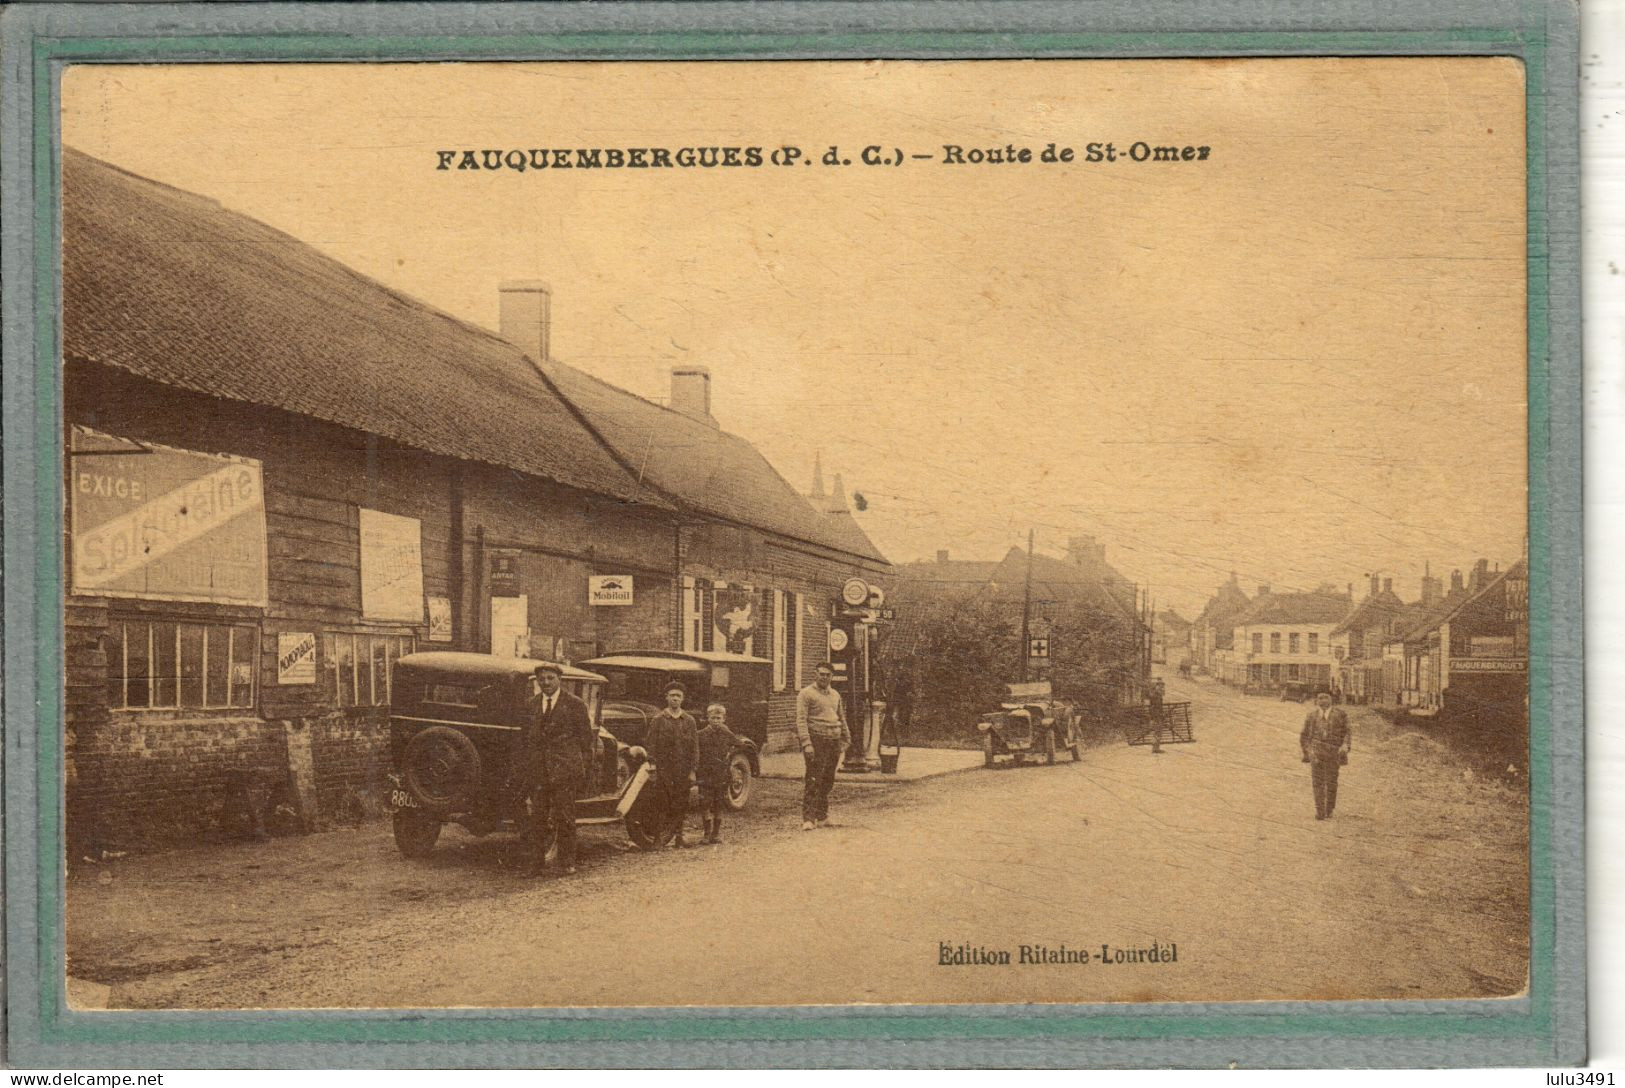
821	728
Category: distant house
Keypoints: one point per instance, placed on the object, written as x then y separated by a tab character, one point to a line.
1358	639
1285	637
1213	631
1170	638
1469	656
1085	631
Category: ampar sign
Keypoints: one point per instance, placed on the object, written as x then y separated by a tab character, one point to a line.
151	521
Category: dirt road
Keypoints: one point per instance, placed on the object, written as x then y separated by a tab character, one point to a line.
1209	852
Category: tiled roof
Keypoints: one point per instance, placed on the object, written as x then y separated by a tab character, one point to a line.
966	572
1227	602
703	467
1294	608
170	286
1453	603
1383	607
1098	584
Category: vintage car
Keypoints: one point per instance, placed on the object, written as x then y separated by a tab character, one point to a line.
1301	691
635	685
455	722
1030	722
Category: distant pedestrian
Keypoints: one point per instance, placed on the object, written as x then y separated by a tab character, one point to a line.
1325	744
558	745
1155	714
903	706
673	744
713	773
821	727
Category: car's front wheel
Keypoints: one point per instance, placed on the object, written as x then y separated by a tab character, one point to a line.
740	781
415	833
646	830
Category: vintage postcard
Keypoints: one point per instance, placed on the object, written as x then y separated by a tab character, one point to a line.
698	534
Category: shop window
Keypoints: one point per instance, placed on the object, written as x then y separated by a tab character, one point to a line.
360	667
159	665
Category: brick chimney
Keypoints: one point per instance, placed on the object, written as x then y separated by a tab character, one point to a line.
691	393
1083	550
1480	575
1387	585
526	316
1263	589
1375	589
942	555
1455	582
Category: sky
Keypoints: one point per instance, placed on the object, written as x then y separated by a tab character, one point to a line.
1300	358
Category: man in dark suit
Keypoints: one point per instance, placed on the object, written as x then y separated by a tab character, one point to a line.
559	745
1325	744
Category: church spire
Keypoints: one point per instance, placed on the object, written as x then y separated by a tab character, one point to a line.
817	491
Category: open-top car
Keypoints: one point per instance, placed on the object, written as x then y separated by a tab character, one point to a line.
634	692
1030	723
455	726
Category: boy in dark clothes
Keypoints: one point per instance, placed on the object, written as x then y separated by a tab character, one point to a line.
716	749
673	745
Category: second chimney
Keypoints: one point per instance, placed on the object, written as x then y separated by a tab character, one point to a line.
942	555
691	393
526	316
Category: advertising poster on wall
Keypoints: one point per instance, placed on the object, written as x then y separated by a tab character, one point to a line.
165	524
391	567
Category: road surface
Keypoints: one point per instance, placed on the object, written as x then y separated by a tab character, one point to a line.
1209	854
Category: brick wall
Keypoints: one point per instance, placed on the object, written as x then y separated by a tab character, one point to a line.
350	756
146	779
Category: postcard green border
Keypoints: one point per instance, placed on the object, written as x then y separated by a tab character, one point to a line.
1546	1027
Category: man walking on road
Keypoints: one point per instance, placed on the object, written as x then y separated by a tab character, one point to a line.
821	728
1325	744
558	750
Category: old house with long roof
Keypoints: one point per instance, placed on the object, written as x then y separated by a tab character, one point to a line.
283	475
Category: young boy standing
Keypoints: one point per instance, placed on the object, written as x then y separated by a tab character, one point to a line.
716	750
672	745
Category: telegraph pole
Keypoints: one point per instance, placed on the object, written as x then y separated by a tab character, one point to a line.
1026	610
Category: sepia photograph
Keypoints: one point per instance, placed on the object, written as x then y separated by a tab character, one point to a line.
621	534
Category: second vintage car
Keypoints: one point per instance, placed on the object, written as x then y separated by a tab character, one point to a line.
634	692
455	723
1030	723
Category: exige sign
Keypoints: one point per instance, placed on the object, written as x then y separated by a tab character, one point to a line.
150	521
